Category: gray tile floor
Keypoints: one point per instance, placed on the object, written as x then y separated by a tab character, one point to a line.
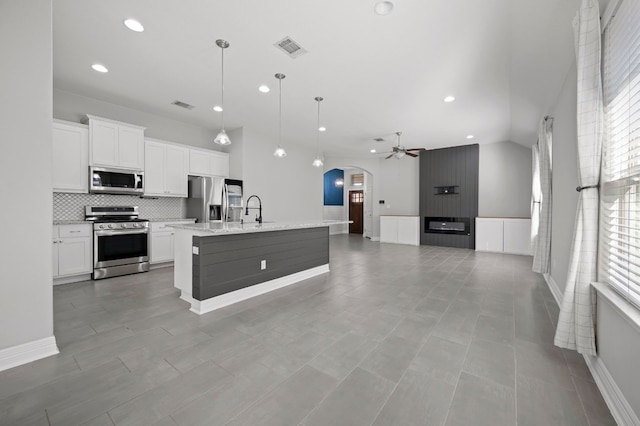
393	335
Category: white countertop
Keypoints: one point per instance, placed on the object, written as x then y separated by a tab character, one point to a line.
219	228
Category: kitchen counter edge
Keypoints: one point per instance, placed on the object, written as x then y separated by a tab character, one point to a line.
227	228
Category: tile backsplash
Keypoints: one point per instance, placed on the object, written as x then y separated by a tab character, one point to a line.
67	206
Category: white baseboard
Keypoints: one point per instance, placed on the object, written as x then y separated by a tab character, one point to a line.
375	238
27	352
618	405
203	306
72	279
553	287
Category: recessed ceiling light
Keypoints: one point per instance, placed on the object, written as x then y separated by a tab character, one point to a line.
469	136
134	25
99	68
373	151
383	7
217	108
322	129
264	88
449	99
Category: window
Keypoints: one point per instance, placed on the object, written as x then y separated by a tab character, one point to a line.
357	179
619	263
357	197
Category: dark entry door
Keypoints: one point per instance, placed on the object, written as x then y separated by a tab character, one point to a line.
356	203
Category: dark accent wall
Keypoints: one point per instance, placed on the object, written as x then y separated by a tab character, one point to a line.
333	194
449	167
226	263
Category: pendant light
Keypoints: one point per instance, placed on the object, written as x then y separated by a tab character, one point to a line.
280	152
318	161
222	138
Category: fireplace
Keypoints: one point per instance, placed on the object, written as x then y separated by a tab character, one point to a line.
447	225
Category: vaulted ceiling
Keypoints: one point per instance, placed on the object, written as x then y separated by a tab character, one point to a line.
503	60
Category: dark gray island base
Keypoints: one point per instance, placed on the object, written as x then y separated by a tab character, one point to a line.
218	265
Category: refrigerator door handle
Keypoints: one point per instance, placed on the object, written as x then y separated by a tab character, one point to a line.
226	203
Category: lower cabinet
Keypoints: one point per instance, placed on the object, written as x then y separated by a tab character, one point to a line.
72	250
503	235
161	238
400	230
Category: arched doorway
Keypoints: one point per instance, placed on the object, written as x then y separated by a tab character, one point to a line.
349	194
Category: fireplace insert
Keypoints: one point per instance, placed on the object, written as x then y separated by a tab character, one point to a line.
447	225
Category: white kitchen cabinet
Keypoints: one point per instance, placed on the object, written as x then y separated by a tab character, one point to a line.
490	234
517	236
162	242
72	250
503	235
166	167
203	162
115	144
400	230
70	157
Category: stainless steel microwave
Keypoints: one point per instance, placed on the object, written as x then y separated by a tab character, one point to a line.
115	181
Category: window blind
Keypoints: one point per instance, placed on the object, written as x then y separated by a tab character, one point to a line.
619	259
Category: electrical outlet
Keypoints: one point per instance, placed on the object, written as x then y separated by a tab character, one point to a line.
263	264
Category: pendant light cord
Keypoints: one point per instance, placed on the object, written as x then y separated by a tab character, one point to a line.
318	131
280	114
222	86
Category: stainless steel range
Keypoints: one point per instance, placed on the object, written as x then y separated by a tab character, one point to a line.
120	241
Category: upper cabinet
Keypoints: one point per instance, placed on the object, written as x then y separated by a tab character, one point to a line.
166	168
115	144
203	162
70	157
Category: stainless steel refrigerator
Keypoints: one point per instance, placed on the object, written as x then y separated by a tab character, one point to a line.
214	199
205	199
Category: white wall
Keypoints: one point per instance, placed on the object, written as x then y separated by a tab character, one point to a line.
26	306
504	180
290	188
399	186
72	107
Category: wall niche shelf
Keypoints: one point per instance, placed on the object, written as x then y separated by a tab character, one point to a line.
446	190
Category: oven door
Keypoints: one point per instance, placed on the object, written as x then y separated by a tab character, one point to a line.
120	247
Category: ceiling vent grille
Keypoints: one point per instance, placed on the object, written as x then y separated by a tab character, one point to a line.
378	139
290	48
182	105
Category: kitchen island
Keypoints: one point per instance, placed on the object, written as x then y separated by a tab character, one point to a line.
218	264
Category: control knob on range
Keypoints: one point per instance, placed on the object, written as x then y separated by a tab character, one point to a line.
111	225
101	226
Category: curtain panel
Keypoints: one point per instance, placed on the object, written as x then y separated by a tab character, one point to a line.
542	247
536	195
576	324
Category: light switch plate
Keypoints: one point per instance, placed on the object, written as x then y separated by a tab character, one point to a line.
195	250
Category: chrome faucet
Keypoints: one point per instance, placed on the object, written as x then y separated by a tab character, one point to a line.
246	212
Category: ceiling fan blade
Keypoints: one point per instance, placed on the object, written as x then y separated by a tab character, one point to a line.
386	158
410	154
415	149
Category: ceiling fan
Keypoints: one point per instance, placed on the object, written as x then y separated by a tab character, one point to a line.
399	151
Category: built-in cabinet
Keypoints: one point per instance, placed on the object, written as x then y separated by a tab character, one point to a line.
70	157
162	241
72	250
503	235
203	162
400	229
166	168
115	144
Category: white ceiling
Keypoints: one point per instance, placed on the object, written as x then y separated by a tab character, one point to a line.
504	61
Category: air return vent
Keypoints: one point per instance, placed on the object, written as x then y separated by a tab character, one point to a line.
182	105
290	47
378	139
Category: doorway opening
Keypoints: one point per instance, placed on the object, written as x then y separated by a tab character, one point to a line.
356	212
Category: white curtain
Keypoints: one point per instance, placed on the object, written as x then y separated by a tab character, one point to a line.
576	325
542	246
536	195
